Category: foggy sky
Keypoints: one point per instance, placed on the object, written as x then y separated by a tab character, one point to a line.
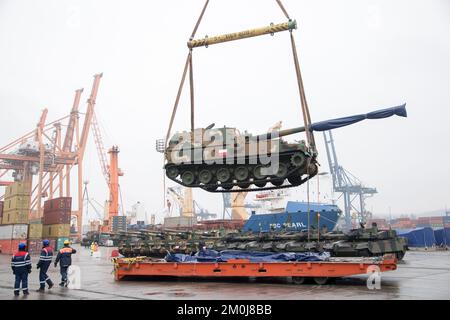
356	56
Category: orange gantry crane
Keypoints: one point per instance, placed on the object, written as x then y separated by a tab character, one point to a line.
111	173
43	153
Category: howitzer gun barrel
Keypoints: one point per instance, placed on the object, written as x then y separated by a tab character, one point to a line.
340	122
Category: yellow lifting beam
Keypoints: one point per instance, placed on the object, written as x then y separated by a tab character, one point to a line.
271	29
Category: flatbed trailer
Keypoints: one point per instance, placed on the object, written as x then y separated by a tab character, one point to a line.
320	271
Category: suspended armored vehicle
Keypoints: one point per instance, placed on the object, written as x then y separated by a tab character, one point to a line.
218	160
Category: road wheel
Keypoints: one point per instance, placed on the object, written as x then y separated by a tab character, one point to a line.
205	176
241	173
257	173
244	185
312	169
277	182
261	184
282	170
228	186
188	178
172	172
298	280
320	280
400	255
295	179
223	175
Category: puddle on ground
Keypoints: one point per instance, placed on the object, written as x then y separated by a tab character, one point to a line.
181	294
152	293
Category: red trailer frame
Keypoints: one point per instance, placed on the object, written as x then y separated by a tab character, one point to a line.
320	271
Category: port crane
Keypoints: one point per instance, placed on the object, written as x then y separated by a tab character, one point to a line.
48	154
187	205
351	188
111	172
234	205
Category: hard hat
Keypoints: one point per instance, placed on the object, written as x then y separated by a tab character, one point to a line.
22	246
45	242
66	242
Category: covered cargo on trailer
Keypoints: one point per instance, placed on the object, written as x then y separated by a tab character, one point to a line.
442	236
419	237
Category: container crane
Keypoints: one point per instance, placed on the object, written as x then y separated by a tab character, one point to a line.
350	187
43	154
236	203
185	202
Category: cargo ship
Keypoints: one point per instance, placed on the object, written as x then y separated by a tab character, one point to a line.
295	217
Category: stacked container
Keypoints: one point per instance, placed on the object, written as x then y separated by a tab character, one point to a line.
16	206
437	222
14	216
10	237
56	221
119	223
35	236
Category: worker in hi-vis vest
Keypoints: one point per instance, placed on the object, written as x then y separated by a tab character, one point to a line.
21	267
64	258
45	260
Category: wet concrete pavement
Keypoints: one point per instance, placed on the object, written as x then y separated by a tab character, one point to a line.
422	275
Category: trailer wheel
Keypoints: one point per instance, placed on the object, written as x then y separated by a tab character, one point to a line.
399	255
298	280
320	280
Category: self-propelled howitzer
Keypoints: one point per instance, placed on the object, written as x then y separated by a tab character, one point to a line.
221	159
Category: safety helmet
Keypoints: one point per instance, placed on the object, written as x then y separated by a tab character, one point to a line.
45	242
66	242
22	246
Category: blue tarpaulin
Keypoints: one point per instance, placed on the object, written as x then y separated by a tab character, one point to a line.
345	121
442	236
253	256
419	237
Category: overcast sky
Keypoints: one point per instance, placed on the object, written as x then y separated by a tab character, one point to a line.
356	56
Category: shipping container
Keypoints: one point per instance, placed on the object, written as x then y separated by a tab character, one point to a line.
119	221
18	216
10	246
57	217
35	231
13	231
59	242
20	231
34	246
63	203
35	221
17	203
56	230
179	222
6	231
18	189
